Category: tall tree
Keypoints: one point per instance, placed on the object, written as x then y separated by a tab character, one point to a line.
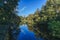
9	19
48	13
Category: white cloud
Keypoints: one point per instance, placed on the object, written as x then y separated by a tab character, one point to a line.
22	9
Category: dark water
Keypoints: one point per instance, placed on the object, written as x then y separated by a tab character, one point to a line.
26	34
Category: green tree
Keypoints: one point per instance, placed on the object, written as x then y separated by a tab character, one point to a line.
54	27
9	17
48	13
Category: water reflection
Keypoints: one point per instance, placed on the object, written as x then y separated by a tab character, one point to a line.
25	34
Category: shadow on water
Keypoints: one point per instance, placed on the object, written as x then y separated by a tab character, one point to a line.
25	33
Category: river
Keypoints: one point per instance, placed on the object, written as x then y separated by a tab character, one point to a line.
26	34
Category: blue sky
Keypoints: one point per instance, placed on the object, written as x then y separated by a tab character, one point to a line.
27	7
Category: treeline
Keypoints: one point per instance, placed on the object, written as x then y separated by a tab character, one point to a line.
46	22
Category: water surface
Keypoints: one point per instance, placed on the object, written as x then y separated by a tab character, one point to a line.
26	34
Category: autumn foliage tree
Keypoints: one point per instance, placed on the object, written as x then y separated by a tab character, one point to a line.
46	22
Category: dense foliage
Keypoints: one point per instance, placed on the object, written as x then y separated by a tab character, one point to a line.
46	22
9	17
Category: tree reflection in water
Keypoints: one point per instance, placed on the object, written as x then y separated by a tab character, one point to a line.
25	34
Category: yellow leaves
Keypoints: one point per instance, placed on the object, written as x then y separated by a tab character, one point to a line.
57	1
28	18
30	28
58	9
29	21
50	9
45	17
38	18
36	15
52	1
31	15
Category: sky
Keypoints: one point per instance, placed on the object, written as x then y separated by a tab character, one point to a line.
26	7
